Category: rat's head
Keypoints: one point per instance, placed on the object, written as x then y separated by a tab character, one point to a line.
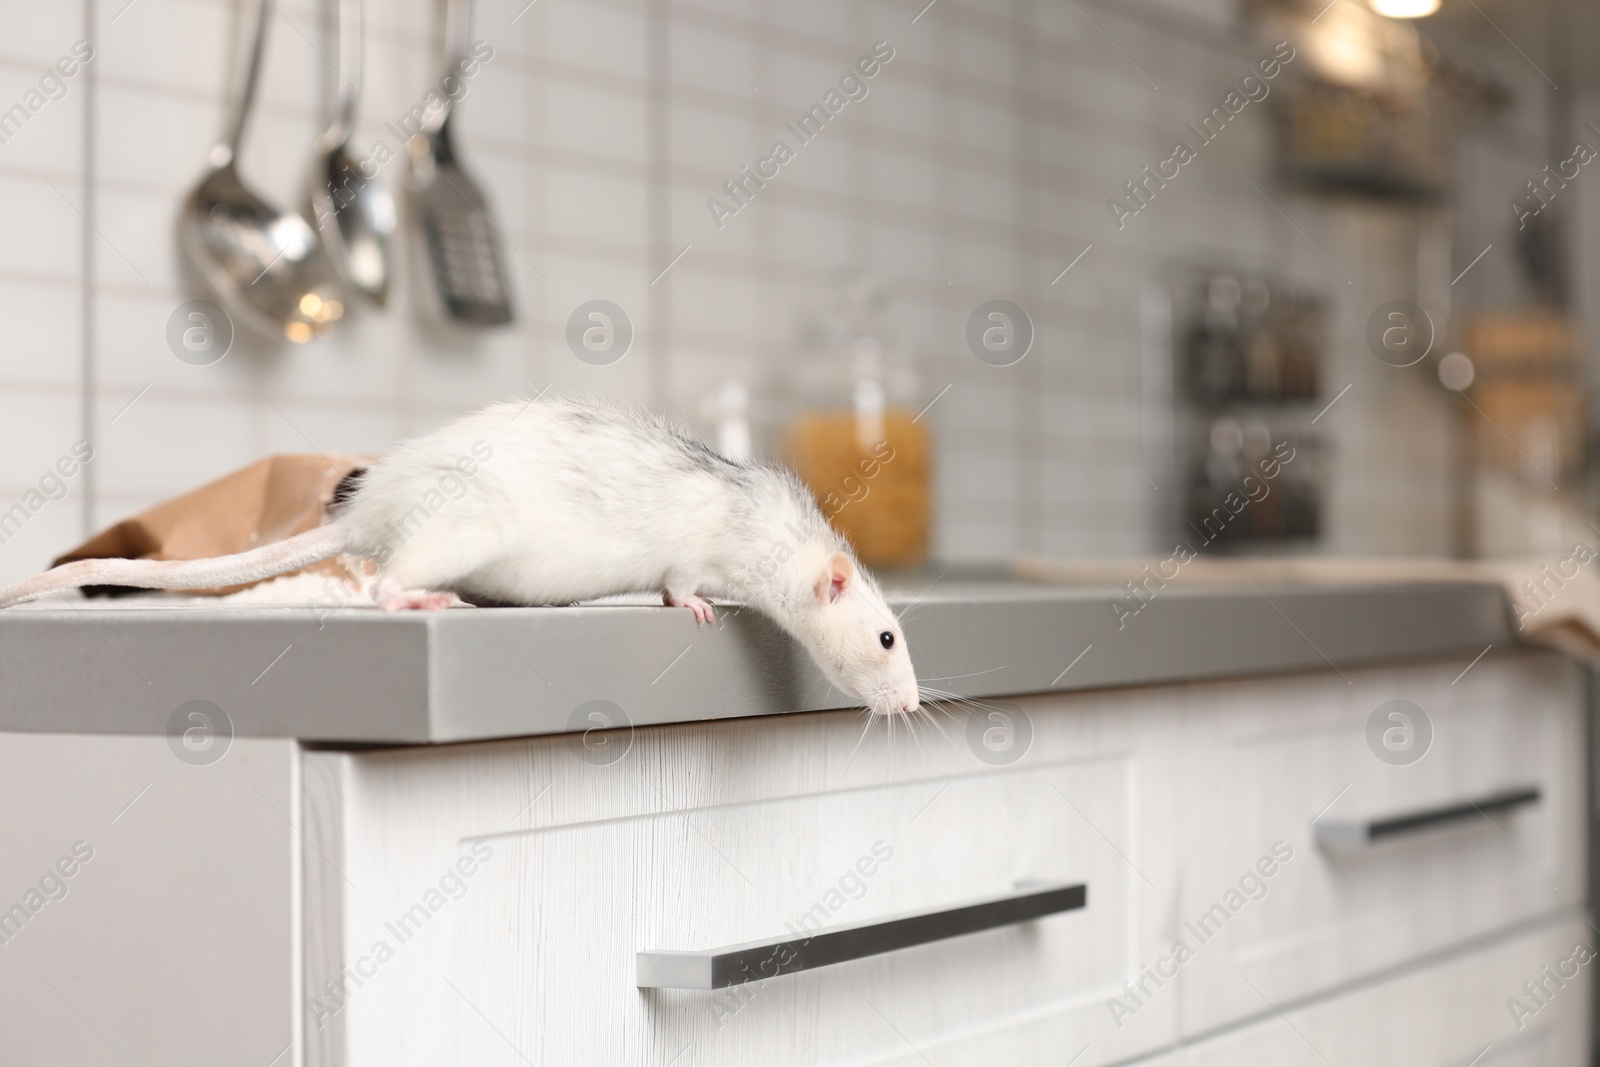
856	639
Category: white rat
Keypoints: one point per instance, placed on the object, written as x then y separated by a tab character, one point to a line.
557	501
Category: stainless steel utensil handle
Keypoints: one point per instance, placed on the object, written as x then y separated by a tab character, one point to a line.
457	30
228	150
754	961
1346	835
344	112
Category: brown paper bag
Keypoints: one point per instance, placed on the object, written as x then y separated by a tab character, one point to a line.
268	501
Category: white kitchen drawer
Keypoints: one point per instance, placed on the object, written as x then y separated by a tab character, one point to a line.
1275	753
714	834
1447	1014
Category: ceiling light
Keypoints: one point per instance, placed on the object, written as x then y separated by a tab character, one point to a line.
1405	9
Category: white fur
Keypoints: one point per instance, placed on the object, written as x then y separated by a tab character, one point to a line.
579	500
556	501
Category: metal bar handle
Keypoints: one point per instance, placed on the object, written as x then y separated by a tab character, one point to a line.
754	961
1345	835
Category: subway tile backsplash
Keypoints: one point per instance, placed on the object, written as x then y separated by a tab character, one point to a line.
977	166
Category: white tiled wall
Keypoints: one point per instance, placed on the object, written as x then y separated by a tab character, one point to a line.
991	143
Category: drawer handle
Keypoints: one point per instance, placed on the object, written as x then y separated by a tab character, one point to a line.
719	968
1344	836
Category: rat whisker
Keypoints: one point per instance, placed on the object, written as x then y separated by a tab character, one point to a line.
925	713
935	693
918	598
974	674
911	728
958	702
864	731
967	704
946	695
906	612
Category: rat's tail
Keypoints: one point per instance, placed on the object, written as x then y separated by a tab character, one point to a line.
268	561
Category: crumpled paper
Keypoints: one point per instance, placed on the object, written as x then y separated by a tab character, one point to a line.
270	500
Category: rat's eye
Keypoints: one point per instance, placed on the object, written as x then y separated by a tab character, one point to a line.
886	639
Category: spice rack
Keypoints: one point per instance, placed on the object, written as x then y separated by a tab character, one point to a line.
1246	382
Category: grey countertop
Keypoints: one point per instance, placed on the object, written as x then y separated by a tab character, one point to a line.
363	676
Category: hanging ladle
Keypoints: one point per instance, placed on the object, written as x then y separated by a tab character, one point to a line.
353	212
266	266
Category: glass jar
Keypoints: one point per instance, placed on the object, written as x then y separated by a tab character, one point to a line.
854	436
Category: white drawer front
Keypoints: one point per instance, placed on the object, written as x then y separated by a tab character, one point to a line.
1446	1015
1287	750
713	835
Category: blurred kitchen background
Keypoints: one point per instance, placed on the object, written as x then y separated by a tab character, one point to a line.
1232	312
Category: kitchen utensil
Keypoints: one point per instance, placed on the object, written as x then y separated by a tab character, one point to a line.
354	213
462	243
266	266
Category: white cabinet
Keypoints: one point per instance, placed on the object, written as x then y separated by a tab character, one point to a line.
709	835
484	903
1279	752
1187	811
1447	1013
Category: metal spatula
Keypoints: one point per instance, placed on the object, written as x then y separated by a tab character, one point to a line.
462	244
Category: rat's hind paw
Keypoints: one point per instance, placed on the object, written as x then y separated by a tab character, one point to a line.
391	597
697	604
420	600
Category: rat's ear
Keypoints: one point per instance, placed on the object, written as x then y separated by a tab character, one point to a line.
836	574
